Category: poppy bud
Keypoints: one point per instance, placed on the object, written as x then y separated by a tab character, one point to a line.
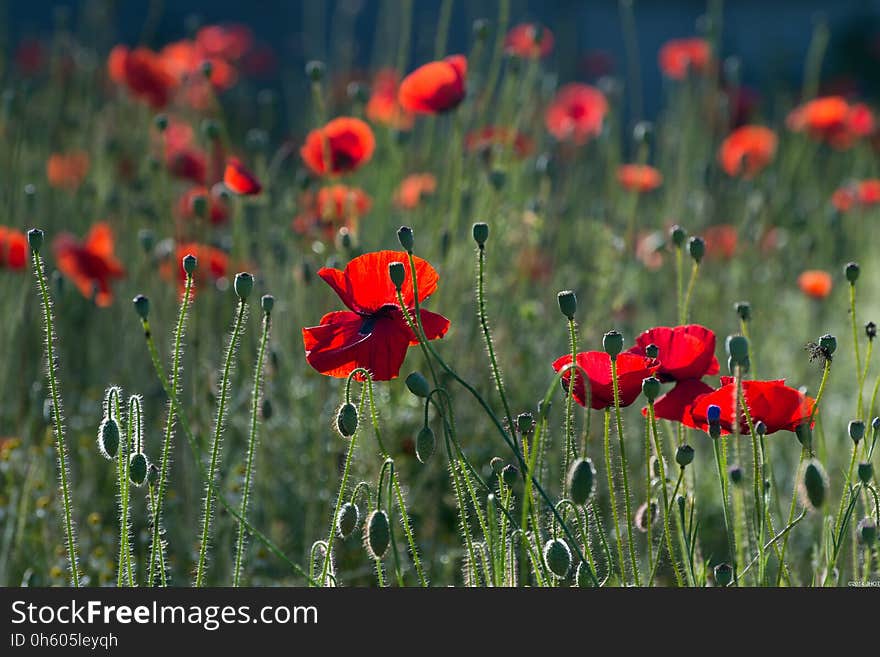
243	285
525	422
568	303
480	29
397	273
654	464
697	248
852	272
358	92
871	330
137	468
207	69
147	239
267	303
760	428
152	475
497	463
418	384
652	351
723	574
828	344
189	264
583	577
814	484
856	430
347	520
378	534
744	310
35	239
425	443
141	306
684	455
497	178
612	343
266	410
736	474
651	388
737	348
509	475
315	70
481	233
804	435
406	238
161	122
347	419
646	516
108	438
678	235
581	480
866	472
557	557
867	529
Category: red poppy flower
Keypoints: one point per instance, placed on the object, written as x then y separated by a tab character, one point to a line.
721	241
67	170
868	192
529	41
330	209
844	199
631	370
682	56
639	178
239	180
435	87
229	42
217	212
90	264
213	264
347	142
772	402
483	140
144	73
832	119
815	283
412	188
577	113
684	352
677	405
383	107
747	150
373	333
649	249
13	249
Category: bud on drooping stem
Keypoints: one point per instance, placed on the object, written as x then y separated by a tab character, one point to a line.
347	520
425	443
581	481
377	534
557	557
418	384
814	484
108	438
347	420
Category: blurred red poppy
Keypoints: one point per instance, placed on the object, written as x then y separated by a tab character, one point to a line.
631	370
373	333
844	199
639	178
215	209
347	142
67	170
721	241
30	57
239	180
213	264
859	194
576	113
529	41
330	209
679	57
409	193
13	249
684	352
230	42
435	87
832	119
677	405
383	106
483	141
815	283
747	150
91	263
772	402
144	74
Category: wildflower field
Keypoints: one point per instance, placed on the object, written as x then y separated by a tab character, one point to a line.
451	319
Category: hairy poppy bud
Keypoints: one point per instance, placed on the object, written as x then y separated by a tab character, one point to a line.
161	122
509	475
481	233
397	273
266	410
723	574
736	474
267	302
652	351
347	520
406	238
856	429
651	388
137	469
378	534
315	70
867	530
760	428
557	557
583	577
678	235
425	443
684	455
738	348
243	285
141	306
581	481
744	310
875	424
108	438
804	435
152	475
871	330
866	472
480	29
35	239
418	384
568	303
347	419
828	344
189	264
697	248
814	484
612	343
852	272
497	463
525	422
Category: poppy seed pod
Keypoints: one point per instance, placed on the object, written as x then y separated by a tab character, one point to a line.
137	469
525	422
557	557
643	131
481	233
856	430
760	428
866	472
581	481
684	455
147	239
852	272
723	574
867	530
736	474
347	419
744	310
347	520
737	348
141	306
828	344
651	388
152	475
378	534
189	264
652	351
35	239
814	484
243	285
108	438
480	29
497	178
804	435
612	343
871	330
266	409
418	384
697	248
509	475
568	303
161	122
267	302
425	443
315	70
406	238
397	274
678	235
207	68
